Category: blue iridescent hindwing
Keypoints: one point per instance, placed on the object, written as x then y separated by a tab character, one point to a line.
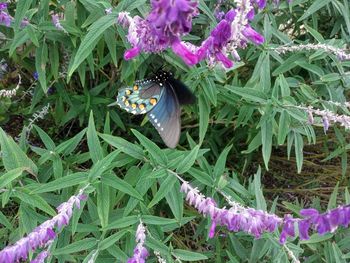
141	97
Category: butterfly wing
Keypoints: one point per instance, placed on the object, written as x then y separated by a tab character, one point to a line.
184	95
165	117
140	98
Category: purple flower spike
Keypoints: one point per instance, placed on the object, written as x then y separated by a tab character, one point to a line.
237	218
43	234
140	252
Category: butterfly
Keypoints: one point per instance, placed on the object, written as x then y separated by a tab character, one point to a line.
160	98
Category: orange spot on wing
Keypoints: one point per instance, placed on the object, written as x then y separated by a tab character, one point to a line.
153	101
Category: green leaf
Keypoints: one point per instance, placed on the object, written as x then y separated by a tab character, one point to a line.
123	222
103	198
283	127
35	201
204	111
164	189
221	162
315	238
266	139
41	58
175	201
91	39
12	155
48	142
298	146
111	240
188	161
316	5
93	142
201	176
152	148
69	146
188	255
249	94
11	175
101	166
61	183
156	220
260	200
332	203
210	90
81	245
121	185
125	146
21	8
5	222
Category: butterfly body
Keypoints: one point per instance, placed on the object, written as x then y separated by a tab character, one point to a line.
160	97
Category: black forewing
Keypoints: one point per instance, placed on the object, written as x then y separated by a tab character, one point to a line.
183	93
165	117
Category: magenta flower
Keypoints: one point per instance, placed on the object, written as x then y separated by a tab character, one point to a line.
43	234
167	22
140	252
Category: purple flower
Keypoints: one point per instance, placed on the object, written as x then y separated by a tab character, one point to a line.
261	3
304	226
36	75
140	252
40	258
325	120
51	90
56	22
167	22
5	18
43	234
172	19
24	22
3	6
287	229
252	35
